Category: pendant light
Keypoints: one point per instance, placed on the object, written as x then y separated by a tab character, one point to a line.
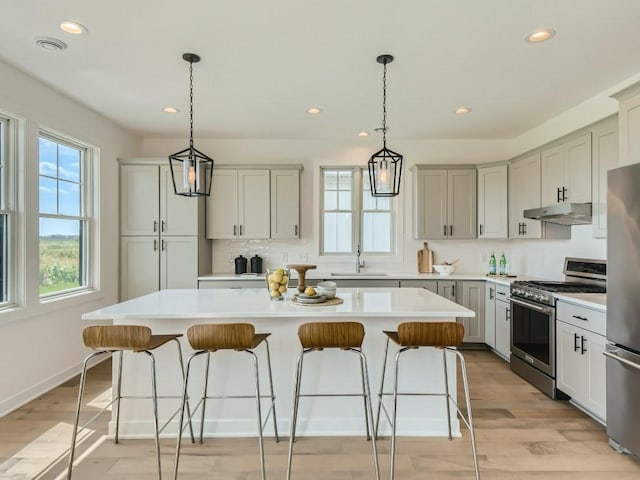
193	168
385	166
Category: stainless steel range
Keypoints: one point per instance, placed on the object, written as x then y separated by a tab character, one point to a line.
533	319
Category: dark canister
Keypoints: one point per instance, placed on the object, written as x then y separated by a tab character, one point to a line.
241	265
256	264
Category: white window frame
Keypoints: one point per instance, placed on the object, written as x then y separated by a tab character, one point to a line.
88	213
360	175
8	202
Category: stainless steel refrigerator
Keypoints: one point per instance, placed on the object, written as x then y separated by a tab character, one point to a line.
623	308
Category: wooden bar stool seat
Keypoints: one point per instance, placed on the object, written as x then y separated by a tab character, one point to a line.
446	336
209	338
316	337
109	339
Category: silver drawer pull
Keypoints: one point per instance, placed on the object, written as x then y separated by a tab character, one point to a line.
585	319
622	360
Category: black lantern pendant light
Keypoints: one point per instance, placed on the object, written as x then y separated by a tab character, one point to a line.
193	168
385	166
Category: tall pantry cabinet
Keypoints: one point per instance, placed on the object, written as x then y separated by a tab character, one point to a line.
162	243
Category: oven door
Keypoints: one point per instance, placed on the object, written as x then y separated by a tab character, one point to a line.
533	335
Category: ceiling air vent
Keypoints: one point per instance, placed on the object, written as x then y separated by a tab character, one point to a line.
51	44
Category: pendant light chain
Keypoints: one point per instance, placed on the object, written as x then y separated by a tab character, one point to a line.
191	104
384	106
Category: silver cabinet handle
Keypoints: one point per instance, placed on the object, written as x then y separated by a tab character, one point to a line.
491	294
295	229
155	226
622	360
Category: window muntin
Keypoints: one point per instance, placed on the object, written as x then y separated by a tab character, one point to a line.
63	220
5	219
350	219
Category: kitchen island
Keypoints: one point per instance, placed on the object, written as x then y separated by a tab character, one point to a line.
173	311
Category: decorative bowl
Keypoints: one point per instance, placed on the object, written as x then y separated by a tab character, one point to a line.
444	269
327	288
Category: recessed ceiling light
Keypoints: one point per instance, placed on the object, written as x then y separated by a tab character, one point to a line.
462	110
541	35
314	111
363	134
51	44
170	110
73	28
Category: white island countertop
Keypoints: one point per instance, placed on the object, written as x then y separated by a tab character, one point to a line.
256	303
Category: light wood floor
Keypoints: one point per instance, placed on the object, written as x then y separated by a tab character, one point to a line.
521	435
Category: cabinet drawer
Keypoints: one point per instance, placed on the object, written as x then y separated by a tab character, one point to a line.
582	317
502	293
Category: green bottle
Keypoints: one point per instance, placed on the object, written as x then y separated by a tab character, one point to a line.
503	264
492	264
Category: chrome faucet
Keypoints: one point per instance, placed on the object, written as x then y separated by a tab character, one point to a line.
359	264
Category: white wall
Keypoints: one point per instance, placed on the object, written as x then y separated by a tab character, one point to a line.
41	343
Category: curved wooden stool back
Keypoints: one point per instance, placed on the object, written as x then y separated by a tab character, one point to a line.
430	334
117	337
227	336
319	335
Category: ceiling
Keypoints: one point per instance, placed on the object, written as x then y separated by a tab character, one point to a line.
265	63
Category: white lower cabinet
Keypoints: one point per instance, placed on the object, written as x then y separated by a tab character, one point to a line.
497	319
490	315
503	329
581	368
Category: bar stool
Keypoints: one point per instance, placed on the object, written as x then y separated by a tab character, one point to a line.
412	335
241	337
347	336
109	339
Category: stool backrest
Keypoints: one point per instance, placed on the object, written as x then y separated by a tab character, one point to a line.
430	334
221	336
331	335
117	337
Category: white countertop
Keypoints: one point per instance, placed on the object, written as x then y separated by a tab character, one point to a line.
255	302
596	301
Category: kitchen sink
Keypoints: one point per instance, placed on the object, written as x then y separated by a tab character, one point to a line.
359	274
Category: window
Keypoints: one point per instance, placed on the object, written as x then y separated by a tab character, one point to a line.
5	214
63	215
350	219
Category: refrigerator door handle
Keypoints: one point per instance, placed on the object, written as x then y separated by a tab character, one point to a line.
621	360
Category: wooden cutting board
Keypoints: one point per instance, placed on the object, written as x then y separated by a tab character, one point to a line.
425	259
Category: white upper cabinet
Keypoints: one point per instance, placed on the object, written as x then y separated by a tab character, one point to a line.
566	172
285	204
605	157
239	205
629	124
524	193
492	202
445	203
149	205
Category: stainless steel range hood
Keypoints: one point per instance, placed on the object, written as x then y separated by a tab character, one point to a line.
562	213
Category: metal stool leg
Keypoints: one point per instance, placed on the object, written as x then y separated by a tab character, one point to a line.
463	368
369	411
193	440
294	411
74	435
154	393
395	411
118	395
259	414
204	396
384	368
273	397
446	389
364	398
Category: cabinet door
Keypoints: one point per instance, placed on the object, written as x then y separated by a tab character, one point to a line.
605	157
285	204
222	205
139	196
629	124
595	398
571	371
492	202
178	214
139	266
524	193
447	289
577	174
254	211
431	204
503	329
552	175
431	285
179	262
490	315
473	299
461	203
